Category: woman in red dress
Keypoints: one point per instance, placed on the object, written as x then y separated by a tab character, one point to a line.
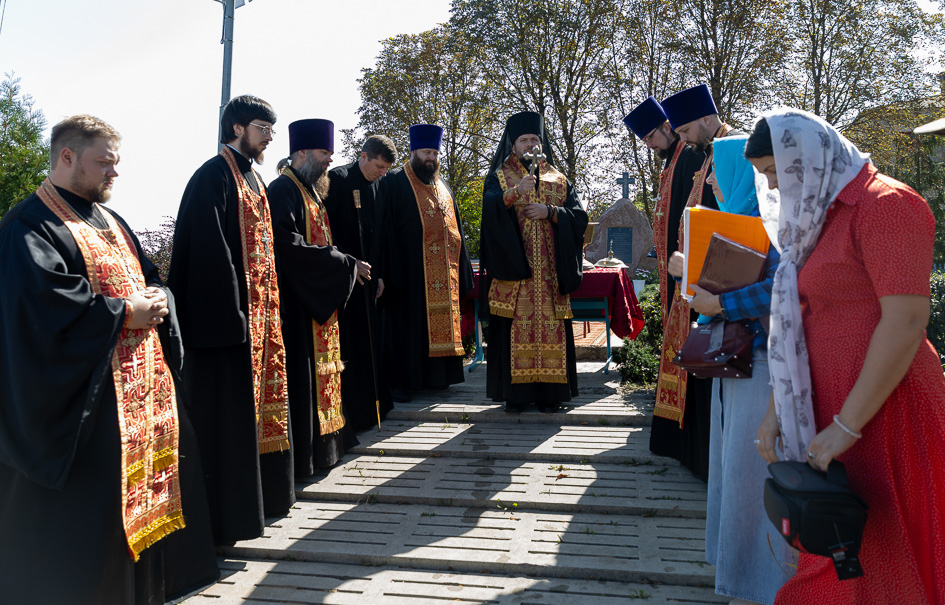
849	310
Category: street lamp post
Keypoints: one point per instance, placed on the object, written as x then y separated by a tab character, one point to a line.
229	8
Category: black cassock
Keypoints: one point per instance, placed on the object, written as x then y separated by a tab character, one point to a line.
503	257
690	444
61	533
403	303
314	282
357	380
209	282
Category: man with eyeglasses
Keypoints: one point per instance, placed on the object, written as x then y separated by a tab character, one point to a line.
351	205
421	256
223	274
316	280
681	162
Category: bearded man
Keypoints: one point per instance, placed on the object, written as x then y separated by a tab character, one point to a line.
315	280
532	233
425	271
352	209
223	272
100	481
687	443
682	411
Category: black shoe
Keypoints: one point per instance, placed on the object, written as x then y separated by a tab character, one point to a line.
548	408
513	409
400	395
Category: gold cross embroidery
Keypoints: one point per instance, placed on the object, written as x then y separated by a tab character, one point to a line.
435	248
275	382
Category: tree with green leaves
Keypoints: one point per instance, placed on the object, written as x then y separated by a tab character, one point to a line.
736	47
848	57
434	77
550	57
157	244
24	153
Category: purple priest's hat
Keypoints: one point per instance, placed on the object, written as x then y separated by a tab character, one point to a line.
425	136
311	134
645	117
688	105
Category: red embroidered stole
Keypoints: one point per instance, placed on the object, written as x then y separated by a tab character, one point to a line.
144	387
265	333
661	228
325	337
671	384
441	249
535	305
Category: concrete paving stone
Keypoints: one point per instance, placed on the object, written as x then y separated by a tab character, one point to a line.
603	488
505	540
255	581
572	443
614	409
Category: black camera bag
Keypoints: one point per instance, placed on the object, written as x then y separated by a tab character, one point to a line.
817	512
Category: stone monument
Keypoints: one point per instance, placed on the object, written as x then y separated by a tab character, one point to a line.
625	228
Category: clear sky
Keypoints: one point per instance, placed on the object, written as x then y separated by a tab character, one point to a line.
153	68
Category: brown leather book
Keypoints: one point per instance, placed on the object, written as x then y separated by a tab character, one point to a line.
730	266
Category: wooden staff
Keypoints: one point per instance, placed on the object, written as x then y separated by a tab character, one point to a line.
367	311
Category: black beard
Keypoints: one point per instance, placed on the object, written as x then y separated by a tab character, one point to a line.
423	170
701	146
662	153
248	152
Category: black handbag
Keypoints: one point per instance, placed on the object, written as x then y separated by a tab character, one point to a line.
721	349
817	512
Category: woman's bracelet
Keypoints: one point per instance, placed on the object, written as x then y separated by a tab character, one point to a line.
846	429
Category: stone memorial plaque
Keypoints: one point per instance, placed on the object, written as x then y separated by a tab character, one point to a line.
620	240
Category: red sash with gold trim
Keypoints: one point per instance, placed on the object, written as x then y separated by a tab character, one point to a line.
144	387
536	307
325	337
441	249
661	229
265	333
671	384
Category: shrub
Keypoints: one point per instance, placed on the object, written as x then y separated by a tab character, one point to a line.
639	360
936	328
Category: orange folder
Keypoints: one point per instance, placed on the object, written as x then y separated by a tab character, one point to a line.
701	223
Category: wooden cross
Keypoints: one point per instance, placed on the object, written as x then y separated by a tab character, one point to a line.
626	181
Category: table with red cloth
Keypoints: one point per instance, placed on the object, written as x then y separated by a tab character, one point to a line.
610	285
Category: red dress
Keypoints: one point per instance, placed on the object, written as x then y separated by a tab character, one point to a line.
877	241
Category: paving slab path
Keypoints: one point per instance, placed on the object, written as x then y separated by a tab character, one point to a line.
455	501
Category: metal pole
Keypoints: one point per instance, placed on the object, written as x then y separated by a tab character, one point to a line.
229	8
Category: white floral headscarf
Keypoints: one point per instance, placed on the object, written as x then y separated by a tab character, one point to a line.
814	163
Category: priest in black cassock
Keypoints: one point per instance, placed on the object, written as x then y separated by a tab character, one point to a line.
88	484
315	280
532	234
424	268
689	442
223	274
354	185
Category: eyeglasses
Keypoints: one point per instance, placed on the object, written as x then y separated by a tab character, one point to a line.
266	130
